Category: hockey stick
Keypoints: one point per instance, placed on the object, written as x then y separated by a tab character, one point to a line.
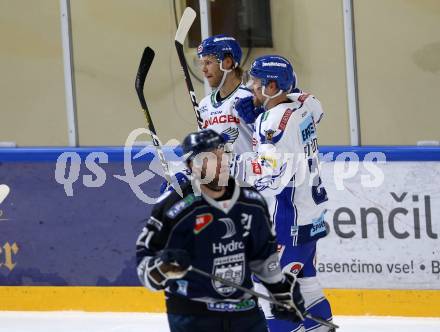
144	67
185	23
264	297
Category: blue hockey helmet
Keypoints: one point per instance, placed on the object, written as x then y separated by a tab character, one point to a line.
202	141
220	46
274	68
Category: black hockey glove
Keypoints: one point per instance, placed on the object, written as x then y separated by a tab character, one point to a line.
174	263
287	292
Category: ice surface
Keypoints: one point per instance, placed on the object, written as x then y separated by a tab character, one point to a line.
137	322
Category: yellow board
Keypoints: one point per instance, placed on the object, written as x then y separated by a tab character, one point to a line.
415	303
380	302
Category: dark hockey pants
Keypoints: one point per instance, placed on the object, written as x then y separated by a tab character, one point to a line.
249	322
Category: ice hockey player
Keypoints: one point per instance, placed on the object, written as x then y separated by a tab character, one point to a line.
225	231
248	108
285	171
219	59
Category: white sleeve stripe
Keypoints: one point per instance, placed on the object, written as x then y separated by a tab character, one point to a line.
148	239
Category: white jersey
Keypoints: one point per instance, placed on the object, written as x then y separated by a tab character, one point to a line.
222	117
285	171
310	102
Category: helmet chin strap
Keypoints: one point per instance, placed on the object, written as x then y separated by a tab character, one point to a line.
225	73
263	92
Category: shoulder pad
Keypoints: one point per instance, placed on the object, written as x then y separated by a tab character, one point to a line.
299	96
253	195
243	91
244	88
206	100
181	205
311	102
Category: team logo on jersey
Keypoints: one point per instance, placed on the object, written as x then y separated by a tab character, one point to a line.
268	134
293	268
230	228
269	137
230	135
230	268
202	221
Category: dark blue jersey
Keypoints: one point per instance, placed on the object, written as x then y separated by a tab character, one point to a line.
232	239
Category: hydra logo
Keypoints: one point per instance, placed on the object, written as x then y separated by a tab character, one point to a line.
4	192
223	249
230	228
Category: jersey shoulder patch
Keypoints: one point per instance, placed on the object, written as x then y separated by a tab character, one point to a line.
253	195
307	129
181	205
302	98
299	96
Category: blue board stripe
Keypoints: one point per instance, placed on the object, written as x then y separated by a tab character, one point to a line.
49	154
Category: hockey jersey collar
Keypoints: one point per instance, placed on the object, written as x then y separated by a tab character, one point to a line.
226	205
217	103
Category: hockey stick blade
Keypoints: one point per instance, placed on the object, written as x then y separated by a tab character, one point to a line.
144	67
188	17
185	23
262	296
